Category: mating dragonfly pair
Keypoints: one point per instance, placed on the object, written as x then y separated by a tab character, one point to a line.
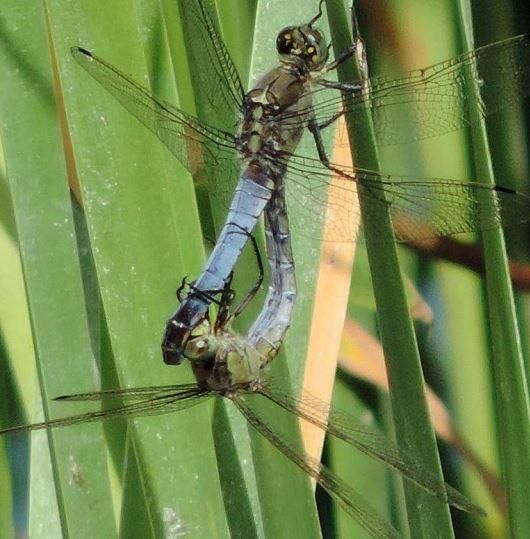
287	100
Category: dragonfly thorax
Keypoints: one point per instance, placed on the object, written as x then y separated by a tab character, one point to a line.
260	137
266	129
258	130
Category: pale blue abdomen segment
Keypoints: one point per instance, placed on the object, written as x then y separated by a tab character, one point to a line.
249	201
267	333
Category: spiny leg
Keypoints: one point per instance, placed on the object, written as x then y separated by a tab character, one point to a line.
251	294
227	297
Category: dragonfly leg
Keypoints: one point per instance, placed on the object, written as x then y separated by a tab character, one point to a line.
315	130
341	58
184	283
181	288
207	294
353	47
336	85
257	284
227	297
330	121
352	87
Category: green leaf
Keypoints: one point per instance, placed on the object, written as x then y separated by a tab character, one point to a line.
38	187
413	429
508	368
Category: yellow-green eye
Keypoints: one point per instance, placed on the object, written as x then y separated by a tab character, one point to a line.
200	347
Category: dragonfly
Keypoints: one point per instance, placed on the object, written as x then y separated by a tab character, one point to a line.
232	366
255	136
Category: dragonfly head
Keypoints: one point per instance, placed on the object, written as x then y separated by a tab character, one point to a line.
223	362
201	348
303	44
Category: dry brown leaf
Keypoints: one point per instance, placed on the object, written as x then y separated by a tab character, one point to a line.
329	311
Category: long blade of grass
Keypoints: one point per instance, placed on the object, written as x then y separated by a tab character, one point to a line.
137	201
509	375
427	516
17	365
44	224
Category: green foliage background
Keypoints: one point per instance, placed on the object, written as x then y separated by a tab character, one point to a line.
88	272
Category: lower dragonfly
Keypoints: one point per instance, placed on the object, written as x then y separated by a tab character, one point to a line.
228	365
295	96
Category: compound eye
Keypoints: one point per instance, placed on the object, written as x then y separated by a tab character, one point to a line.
199	347
285	41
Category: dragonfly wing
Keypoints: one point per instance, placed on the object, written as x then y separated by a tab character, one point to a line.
339	490
131	393
420	208
218	84
193	142
152	406
435	100
423	208
321	204
344	427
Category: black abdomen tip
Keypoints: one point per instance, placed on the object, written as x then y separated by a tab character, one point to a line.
82	51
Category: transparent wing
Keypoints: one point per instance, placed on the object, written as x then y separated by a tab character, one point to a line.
217	83
436	98
345	427
191	141
420	208
132	393
169	400
218	94
207	152
351	501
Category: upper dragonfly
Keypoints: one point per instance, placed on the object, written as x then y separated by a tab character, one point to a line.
295	96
